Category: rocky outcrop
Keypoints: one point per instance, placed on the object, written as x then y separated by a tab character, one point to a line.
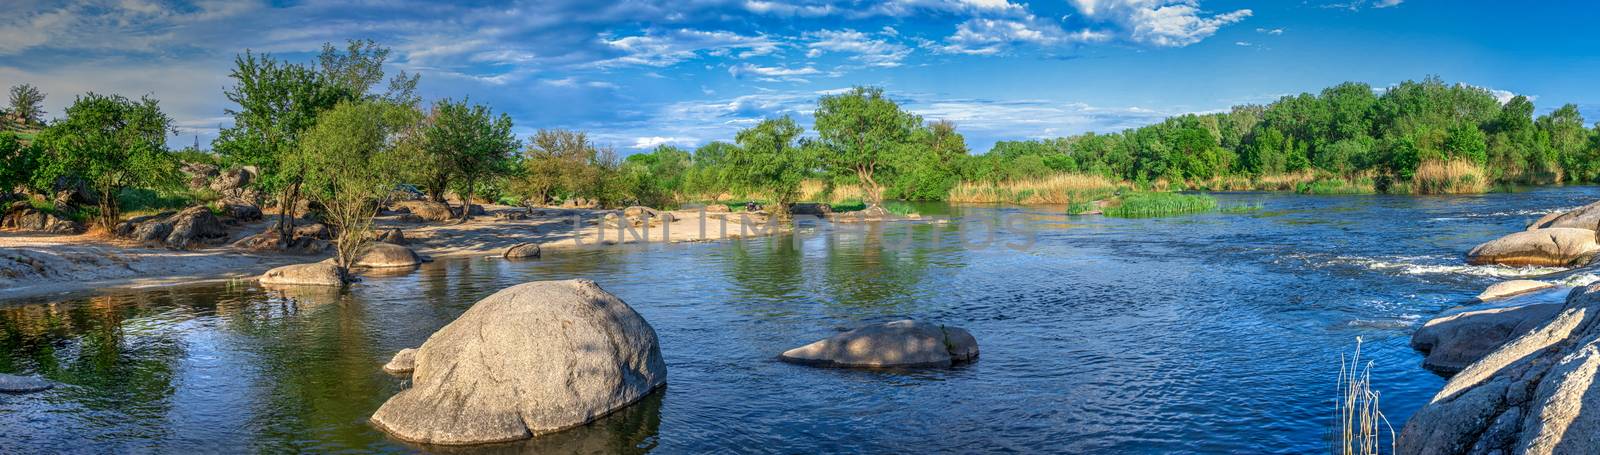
531	359
391	235
1512	288
522	251
1561	247
323	273
241	211
898	344
33	220
231	180
24	384
811	209
1586	217
403	362
195	226
1452	342
426	210
1532	395
382	255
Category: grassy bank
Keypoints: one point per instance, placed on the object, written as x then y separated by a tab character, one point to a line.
1140	205
1064	189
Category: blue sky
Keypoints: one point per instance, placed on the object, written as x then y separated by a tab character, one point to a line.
636	73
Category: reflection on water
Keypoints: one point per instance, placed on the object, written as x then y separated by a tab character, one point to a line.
1212	333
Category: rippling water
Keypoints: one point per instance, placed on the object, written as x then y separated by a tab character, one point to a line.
1205	333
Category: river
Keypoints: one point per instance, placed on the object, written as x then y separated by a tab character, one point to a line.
1202	333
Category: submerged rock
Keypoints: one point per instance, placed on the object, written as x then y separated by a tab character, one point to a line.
316	274
522	251
379	254
898	344
1455	341
10	383
1560	247
1532	395
534	358
1512	288
402	363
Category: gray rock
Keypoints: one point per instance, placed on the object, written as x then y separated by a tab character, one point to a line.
315	274
898	344
1541	381
1561	247
195	226
425	210
230	180
403	362
29	219
522	251
23	384
532	359
153	231
1455	341
391	235
379	254
1586	217
242	212
1512	288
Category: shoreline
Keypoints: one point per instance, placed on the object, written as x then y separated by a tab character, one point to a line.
34	266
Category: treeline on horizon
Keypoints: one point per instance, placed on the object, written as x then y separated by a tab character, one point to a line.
1416	137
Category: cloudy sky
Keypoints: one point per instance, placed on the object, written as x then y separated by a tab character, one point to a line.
639	73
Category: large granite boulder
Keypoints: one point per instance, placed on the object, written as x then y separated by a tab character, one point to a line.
379	255
241	211
532	359
195	226
32	220
151	232
426	210
522	251
231	180
1586	217
324	273
403	362
1561	247
898	344
1535	394
1512	288
1452	342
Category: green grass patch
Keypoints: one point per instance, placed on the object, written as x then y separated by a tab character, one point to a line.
1080	207
848	205
135	200
899	208
1141	205
1336	186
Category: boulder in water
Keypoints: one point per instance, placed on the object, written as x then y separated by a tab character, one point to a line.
1560	247
534	358
1532	395
1512	288
1455	341
522	251
315	274
402	363
898	344
379	254
23	384
1586	217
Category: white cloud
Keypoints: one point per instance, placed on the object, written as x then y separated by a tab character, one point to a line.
1503	96
671	48
1241	43
1270	31
994	36
872	52
650	142
1386	3
1163	23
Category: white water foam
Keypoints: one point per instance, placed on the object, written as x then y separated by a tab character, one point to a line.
1420	265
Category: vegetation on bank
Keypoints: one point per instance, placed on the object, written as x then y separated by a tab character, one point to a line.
1147	204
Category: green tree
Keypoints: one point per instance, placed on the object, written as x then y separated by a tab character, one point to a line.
17	163
27	104
473	143
930	166
768	160
860	130
555	164
349	162
112	143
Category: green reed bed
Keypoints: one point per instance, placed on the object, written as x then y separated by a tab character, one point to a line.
1140	205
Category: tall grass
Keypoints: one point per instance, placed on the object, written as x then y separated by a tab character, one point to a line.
1451	177
1285	182
1337	186
1360	424
1138	205
1056	189
817	191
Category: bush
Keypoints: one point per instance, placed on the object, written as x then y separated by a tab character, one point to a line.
1452	177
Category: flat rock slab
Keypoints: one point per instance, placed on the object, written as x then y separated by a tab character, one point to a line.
1555	247
899	344
10	383
1453	342
314	274
1511	288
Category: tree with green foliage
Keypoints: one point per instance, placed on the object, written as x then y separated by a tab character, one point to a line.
27	104
656	179
554	165
17	163
349	157
473	143
112	143
708	173
930	165
769	160
860	132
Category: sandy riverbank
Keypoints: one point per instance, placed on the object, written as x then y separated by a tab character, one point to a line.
35	264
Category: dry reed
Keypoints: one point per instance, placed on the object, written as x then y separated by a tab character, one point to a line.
1451	177
1361	424
1055	189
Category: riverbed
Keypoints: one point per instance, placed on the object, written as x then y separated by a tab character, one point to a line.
1217	332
